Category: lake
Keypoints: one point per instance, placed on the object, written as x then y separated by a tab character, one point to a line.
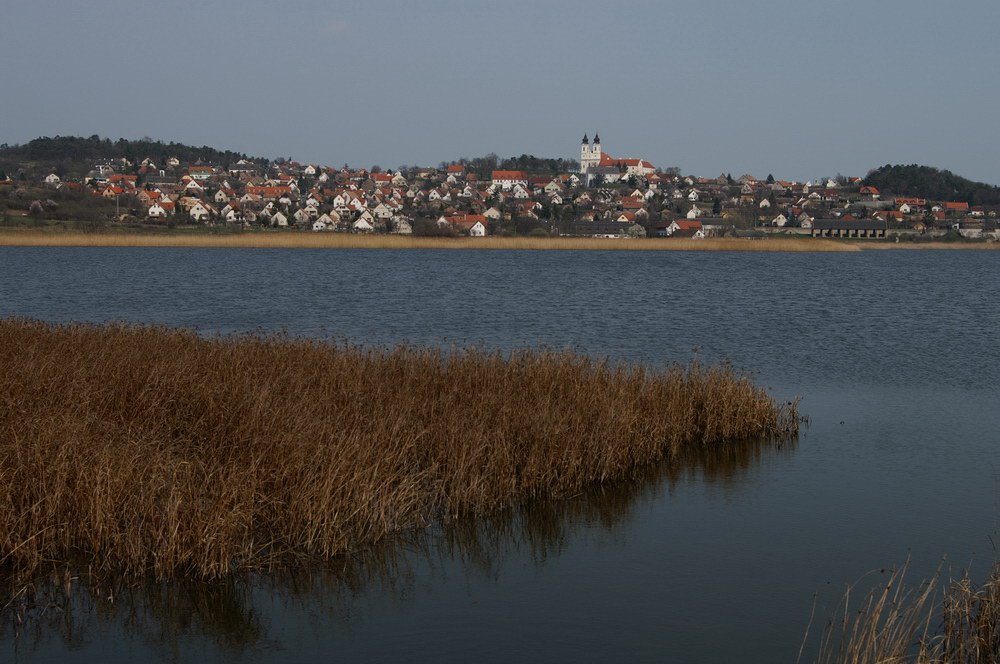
895	355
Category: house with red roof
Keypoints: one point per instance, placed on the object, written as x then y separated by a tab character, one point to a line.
473	225
507	179
685	228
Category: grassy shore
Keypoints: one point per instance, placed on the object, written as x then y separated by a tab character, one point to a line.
55	237
310	240
134	450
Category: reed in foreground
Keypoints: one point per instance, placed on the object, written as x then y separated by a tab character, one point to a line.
138	450
935	622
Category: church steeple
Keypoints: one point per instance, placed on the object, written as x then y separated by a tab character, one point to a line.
597	138
586	141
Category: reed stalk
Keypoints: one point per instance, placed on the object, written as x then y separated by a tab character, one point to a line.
934	622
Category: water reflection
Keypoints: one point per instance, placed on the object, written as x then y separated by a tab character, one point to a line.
234	615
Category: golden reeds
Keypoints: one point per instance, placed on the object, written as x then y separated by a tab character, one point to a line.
896	622
148	450
948	246
310	240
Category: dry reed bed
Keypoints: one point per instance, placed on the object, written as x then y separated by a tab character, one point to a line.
309	240
138	450
946	246
934	622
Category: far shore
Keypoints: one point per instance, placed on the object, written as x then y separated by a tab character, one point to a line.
14	237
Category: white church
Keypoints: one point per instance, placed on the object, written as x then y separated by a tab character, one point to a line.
593	160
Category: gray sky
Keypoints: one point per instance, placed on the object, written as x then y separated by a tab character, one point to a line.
795	88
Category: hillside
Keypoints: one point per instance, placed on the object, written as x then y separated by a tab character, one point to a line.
932	184
484	166
74	155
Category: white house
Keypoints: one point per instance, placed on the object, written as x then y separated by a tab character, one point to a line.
382	211
156	211
521	192
401	226
362	226
199	212
331	219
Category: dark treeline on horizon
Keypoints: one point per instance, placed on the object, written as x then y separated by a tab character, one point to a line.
70	151
931	183
485	165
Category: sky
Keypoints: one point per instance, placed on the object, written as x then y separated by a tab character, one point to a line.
796	88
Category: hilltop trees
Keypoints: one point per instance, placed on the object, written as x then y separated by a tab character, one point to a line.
932	183
68	154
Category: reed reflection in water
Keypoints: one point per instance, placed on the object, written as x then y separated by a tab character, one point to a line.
234	615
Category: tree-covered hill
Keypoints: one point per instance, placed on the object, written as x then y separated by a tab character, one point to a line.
484	166
71	154
932	183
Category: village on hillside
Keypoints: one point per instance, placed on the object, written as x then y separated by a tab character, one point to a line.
603	196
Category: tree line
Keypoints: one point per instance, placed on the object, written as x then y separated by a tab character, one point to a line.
485	165
77	150
931	183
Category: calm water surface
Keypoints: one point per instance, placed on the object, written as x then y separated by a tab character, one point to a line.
895	355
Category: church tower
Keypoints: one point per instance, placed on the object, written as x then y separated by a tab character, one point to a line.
590	155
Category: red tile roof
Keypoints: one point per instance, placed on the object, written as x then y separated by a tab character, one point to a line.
688	225
510	175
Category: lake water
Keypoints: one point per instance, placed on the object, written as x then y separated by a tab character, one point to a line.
895	354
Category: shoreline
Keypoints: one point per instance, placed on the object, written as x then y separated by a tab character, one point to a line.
308	240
